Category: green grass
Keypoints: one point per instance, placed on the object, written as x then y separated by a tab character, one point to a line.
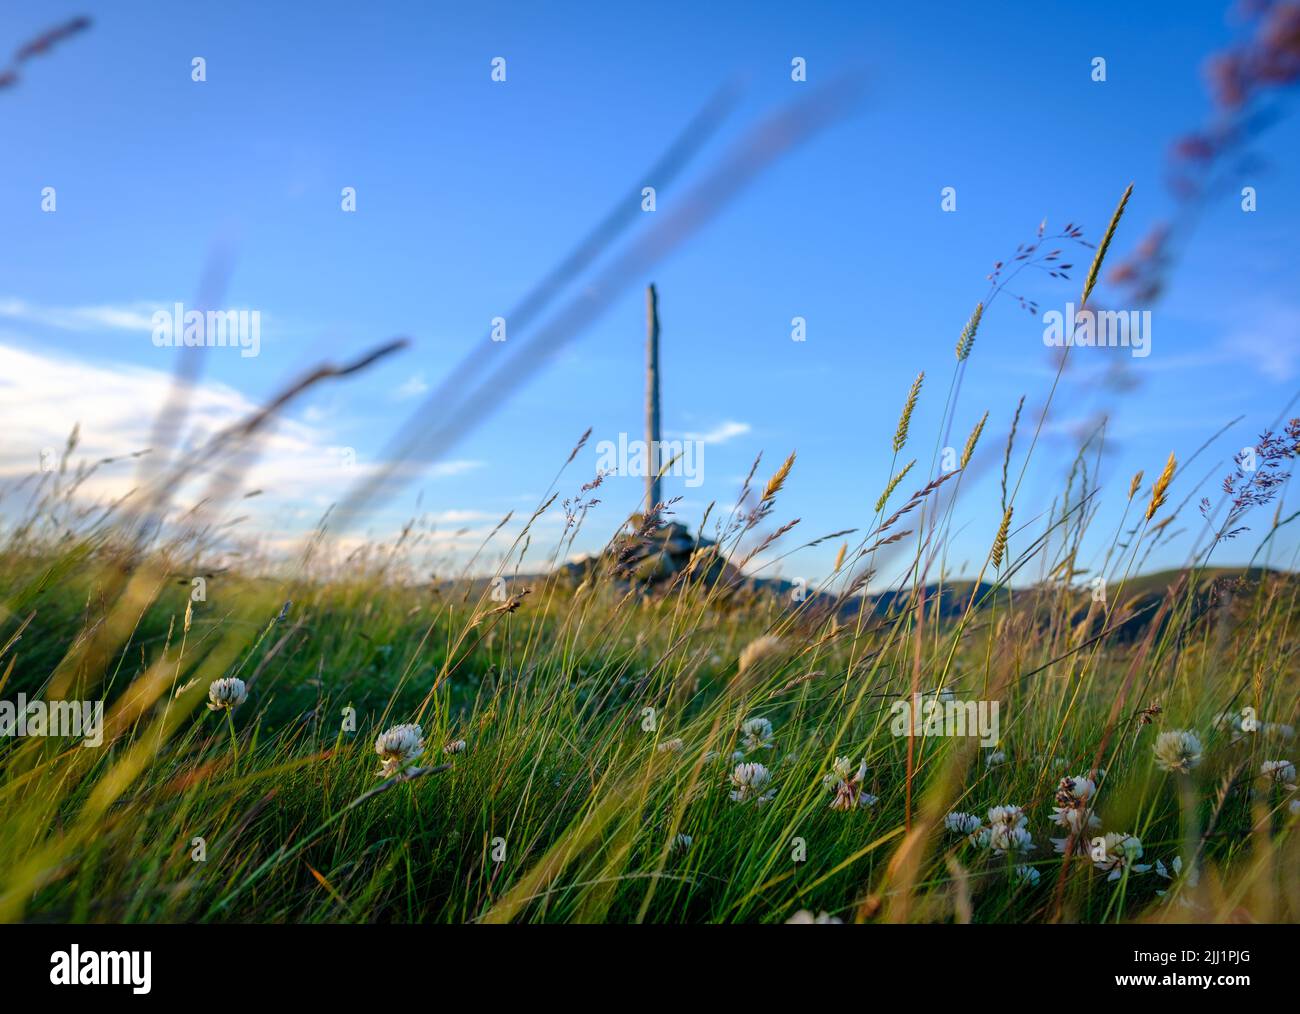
562	808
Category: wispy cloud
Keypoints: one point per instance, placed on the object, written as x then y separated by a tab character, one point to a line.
445	469
720	434
457	517
412	387
42	396
136	316
1268	338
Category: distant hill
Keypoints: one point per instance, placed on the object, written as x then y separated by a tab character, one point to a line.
1138	597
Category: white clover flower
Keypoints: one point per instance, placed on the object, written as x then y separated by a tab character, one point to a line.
1006	831
682	842
1191	879
995	757
1116	852
1008	816
1074	804
756	734
1294	807
398	747
805	918
748	783
846	783
841	771
962	823
1241	724
1027	875
737	756
671	746
1244	724
1178	750
1001	839
1281	772
225	694
455	746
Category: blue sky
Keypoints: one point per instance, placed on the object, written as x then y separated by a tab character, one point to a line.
469	190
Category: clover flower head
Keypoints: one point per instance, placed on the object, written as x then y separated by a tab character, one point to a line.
675	745
962	823
225	694
1074	804
846	783
1008	816
841	771
804	917
1001	839
455	746
749	784
398	747
1281	772
1006	832
1027	875
1178	750
1239	724
994	758
1116	852
1174	873
756	734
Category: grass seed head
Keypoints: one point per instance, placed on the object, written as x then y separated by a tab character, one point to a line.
1159	490
900	435
972	440
967	339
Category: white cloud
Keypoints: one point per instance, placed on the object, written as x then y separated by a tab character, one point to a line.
720	434
136	316
446	469
412	387
43	395
455	517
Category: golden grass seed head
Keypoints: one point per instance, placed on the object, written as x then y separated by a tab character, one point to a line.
900	435
893	484
972	440
1159	490
1000	543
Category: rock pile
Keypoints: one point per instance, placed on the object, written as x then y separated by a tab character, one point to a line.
659	556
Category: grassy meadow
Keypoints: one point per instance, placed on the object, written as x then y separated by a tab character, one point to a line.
627	741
